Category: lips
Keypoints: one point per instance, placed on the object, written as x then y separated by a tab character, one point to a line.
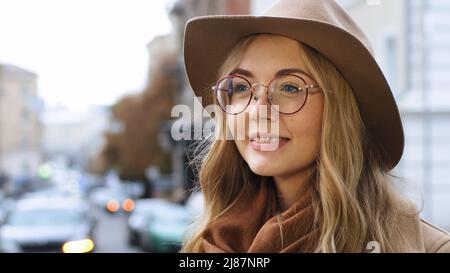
264	138
267	142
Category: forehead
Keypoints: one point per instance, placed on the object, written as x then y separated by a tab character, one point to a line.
271	52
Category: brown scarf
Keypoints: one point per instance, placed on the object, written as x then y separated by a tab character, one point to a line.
252	224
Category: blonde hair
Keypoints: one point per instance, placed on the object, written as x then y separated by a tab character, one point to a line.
354	199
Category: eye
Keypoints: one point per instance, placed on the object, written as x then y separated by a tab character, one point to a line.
289	88
241	88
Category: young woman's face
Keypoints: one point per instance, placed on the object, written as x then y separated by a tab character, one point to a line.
300	132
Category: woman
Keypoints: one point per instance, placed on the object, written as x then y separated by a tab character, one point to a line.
317	177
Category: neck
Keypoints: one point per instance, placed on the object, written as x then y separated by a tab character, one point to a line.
291	187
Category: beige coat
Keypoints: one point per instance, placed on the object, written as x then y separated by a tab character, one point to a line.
432	239
423	236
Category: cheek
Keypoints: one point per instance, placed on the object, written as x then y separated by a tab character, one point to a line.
306	128
306	136
309	126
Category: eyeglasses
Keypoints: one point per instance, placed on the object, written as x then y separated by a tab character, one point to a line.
289	92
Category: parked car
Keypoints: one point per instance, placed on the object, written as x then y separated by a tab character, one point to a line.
166	228
48	224
141	217
6	203
112	200
159	225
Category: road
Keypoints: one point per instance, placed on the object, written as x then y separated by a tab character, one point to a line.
111	235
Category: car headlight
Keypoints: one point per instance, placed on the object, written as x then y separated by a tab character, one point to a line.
79	246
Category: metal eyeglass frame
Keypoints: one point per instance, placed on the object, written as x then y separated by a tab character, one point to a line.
308	87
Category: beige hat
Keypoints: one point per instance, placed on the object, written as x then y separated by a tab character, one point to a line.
321	24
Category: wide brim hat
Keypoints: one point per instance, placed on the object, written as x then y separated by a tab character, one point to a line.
320	24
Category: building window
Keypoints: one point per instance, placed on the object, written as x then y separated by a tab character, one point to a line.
391	59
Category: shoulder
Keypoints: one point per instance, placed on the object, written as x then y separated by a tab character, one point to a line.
422	235
435	239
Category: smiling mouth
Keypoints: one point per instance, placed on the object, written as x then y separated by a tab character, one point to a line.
267	138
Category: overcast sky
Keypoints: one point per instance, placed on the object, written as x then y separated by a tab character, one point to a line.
85	52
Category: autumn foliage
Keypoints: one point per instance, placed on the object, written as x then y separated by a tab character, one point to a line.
137	145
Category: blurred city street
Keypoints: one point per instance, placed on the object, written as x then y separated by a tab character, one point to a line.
71	211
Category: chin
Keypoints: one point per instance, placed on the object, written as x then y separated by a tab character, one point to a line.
264	169
269	165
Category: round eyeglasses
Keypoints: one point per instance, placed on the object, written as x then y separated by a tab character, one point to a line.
289	92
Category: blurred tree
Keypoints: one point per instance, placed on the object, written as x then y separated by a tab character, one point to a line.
136	145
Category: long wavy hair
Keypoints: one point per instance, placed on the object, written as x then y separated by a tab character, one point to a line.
354	197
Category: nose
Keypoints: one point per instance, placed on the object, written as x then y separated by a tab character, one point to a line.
260	94
260	107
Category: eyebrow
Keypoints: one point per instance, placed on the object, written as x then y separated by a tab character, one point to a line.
243	72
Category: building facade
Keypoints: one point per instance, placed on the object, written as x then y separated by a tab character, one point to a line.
20	127
76	137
